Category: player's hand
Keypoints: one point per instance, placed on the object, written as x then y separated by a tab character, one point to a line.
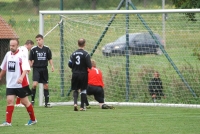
52	68
19	81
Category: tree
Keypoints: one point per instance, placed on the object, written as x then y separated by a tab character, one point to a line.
187	4
36	4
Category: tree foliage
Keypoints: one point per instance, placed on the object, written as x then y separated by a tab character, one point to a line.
187	4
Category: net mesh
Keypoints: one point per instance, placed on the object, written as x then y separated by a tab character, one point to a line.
126	77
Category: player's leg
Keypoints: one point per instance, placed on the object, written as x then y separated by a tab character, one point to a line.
23	94
36	77
84	84
44	79
18	102
99	96
83	99
10	97
74	87
87	103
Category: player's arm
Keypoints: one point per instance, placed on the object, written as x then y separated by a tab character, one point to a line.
70	62
3	66
49	57
22	76
31	58
2	73
88	60
51	63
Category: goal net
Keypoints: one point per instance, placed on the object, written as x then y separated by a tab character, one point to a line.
163	41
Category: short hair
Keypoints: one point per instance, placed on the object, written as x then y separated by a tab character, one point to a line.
81	42
39	36
29	42
93	63
15	40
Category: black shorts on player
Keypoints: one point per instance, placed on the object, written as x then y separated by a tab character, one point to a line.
40	74
20	92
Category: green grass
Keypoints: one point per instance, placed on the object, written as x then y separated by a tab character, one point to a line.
127	120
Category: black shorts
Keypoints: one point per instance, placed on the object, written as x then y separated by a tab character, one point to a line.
20	92
79	81
97	91
40	74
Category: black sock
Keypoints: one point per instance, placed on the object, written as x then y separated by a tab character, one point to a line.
75	95
33	94
46	96
86	101
83	98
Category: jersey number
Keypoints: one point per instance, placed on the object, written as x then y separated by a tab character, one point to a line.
78	60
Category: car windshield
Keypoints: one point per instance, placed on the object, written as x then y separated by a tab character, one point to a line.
122	39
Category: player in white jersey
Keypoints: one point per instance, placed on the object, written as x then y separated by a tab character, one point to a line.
16	67
24	49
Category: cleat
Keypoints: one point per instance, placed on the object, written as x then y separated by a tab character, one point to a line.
32	102
82	109
88	107
5	124
111	107
75	108
30	122
48	106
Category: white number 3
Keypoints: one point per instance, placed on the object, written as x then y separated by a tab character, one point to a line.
77	60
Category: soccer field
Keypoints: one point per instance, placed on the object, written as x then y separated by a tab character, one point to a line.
122	120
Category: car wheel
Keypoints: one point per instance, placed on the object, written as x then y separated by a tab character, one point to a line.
158	51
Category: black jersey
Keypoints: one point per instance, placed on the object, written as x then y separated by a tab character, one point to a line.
41	56
80	61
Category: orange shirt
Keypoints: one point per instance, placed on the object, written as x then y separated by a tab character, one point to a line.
95	77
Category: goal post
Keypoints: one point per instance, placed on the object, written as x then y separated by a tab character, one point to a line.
129	71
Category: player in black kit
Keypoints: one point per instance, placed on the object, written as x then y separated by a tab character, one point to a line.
79	63
39	57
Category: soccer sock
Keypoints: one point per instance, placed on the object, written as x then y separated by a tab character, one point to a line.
31	112
83	99
33	94
86	101
46	96
75	95
9	112
18	100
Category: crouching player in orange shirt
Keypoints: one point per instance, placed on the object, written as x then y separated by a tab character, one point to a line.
95	86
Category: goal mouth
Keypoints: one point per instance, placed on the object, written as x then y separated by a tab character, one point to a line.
128	68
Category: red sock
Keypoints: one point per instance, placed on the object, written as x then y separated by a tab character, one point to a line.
31	112
9	112
18	100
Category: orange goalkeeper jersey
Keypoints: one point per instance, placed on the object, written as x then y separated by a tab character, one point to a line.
95	77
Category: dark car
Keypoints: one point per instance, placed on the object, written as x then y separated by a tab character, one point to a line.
139	43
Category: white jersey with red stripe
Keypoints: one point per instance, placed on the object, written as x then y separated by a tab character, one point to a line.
14	64
24	51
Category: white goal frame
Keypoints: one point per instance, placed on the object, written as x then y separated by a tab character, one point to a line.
70	12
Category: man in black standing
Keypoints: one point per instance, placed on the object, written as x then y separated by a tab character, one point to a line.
79	63
39	57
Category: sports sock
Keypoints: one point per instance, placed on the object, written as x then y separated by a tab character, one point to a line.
17	100
75	95
83	98
9	112
31	112
46	96
86	101
33	94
